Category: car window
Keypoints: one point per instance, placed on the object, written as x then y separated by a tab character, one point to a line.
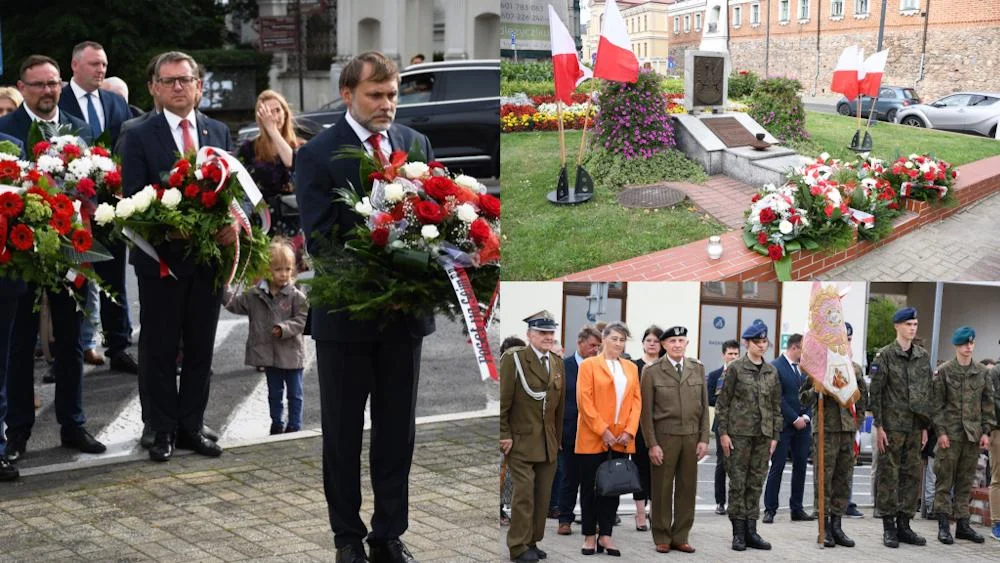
469	84
910	94
333	105
982	101
887	93
419	88
958	100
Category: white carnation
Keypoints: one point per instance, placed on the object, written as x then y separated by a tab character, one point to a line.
414	170
125	208
429	232
364	207
102	163
104	214
785	227
393	192
50	164
171	198
913	156
80	168
466	213
11	157
467	182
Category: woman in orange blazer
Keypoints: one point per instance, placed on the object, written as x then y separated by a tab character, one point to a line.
609	401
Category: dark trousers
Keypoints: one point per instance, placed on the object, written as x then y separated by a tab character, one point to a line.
720	472
114	316
67	368
8	310
641	459
556	484
388	370
799	442
597	512
570	484
172	310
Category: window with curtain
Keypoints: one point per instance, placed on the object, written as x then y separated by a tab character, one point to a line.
755	14
783	10
803	9
737	16
837	8
860	7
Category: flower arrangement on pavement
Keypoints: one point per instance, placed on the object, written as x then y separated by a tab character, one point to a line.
923	178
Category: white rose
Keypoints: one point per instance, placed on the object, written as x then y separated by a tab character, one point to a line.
467	182
466	213
869	183
104	214
925	167
171	198
908	164
785	227
142	200
364	207
125	208
824	156
414	170
393	192
429	232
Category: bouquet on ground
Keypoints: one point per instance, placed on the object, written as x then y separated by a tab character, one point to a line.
924	178
873	201
776	226
200	195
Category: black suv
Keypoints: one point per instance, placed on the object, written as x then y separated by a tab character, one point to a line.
455	103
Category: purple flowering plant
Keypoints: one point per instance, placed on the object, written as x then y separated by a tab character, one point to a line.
776	105
633	121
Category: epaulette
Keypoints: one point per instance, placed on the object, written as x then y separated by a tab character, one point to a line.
697	361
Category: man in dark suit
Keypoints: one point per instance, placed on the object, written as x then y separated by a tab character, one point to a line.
185	307
10	292
588	341
730	353
40	86
103	111
358	358
795	436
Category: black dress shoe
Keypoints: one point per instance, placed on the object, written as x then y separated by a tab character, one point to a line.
78	438
17	444
163	446
148	435
7	470
768	517
209	433
527	556
199	443
49	377
123	361
351	554
802	516
392	551
541	554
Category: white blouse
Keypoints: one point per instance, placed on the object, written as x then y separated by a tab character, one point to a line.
621	381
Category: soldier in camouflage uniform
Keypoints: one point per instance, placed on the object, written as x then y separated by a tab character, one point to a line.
994	376
899	393
962	398
839	426
748	410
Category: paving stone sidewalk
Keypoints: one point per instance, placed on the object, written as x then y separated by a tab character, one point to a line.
263	502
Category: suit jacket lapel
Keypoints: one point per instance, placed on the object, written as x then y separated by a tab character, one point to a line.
164	135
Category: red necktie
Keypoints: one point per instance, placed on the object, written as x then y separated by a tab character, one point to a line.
188	140
376	143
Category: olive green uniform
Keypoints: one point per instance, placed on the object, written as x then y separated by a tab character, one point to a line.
963	410
675	418
536	437
748	408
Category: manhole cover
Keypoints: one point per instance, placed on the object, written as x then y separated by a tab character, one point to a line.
650	197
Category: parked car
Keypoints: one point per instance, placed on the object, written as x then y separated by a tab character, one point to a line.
968	112
455	103
890	100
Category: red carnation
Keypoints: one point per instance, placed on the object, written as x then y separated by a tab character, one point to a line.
9	170
913	173
440	187
5	256
775	252
767	215
795	219
70	151
435	164
82	241
828	210
208	199
762	237
61	224
929	176
41	147
398	212
380	236
99	151
176	179
86	188
480	231
113	179
183	165
34	176
755	198
11	204
211	172
62	205
191	191
429	212
489	206
377	176
22	237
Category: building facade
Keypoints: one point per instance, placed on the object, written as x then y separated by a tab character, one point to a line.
647	30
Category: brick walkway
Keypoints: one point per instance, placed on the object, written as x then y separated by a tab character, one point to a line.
263	503
721	197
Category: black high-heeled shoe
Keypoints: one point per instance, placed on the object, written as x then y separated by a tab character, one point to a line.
588	550
610	550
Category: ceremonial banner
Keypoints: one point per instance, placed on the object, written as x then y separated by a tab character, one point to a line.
825	349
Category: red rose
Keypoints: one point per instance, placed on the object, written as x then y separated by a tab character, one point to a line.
9	170
113	179
99	151
5	256
22	237
377	176
767	215
82	241
86	188
211	172
208	199
440	187
775	252
762	237
41	147
182	166
489	206
11	204
398	212
435	164
828	210
71	151
176	179
429	212
191	191
795	219
380	236
480	231
62	205
61	224
755	198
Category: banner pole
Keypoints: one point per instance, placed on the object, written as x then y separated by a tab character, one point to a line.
821	472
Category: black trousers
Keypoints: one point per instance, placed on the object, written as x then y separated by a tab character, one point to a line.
597	512
570	484
388	370
114	316
641	459
67	368
720	471
172	309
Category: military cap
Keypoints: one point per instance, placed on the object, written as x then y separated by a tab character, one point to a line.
755	331
542	321
962	335
850	329
904	314
674	331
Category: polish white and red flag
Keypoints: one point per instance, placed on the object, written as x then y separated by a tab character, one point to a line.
615	59
567	71
848	73
874	67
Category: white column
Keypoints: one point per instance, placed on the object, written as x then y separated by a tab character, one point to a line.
346	31
392	28
456	26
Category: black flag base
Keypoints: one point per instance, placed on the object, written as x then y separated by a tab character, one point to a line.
859	145
583	191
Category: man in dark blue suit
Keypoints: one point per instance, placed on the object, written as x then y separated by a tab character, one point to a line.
358	358
730	353
103	111
795	436
40	86
182	307
588	341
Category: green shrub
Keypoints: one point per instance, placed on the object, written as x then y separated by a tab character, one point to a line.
540	71
880	327
511	87
673	85
613	171
742	84
776	105
633	120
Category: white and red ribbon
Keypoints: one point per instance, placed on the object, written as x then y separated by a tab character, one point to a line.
862	218
144	246
474	320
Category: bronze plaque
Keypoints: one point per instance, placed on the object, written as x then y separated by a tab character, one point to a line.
709	77
730	131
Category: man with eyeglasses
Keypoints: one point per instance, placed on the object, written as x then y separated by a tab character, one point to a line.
184	308
41	87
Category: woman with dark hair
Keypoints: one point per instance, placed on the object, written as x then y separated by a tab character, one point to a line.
651	351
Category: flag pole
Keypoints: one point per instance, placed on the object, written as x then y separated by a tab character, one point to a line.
820	478
586	120
562	137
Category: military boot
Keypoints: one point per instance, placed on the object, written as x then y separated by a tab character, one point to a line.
889	535
964	531
944	533
739	535
828	533
907	535
838	533
753	538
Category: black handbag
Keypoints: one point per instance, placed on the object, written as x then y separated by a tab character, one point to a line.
616	477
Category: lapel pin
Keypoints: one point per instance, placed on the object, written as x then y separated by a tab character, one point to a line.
204	132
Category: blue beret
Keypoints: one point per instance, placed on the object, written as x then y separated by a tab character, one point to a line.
674	331
850	329
904	314
962	335
755	331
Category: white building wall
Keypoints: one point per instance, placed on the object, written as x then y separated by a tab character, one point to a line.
795	312
664	304
518	300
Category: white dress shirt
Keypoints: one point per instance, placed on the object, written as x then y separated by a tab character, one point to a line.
363	135
174	122
621	382
81	98
55	116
